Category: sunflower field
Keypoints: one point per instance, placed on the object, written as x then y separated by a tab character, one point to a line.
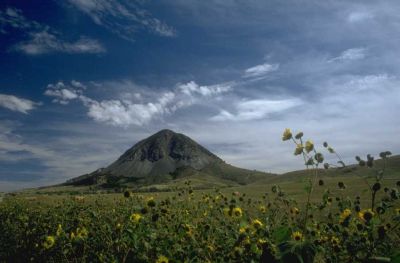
211	226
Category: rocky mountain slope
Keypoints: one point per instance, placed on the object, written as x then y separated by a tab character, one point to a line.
167	157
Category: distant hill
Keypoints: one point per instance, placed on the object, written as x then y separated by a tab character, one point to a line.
392	171
168	158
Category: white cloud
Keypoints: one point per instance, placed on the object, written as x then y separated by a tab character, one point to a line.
122	17
42	39
351	54
359	16
17	104
44	42
192	88
256	109
133	108
124	113
13	18
64	93
260	70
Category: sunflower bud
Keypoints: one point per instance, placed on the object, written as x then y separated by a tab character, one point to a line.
376	187
299	135
319	157
326	165
325	144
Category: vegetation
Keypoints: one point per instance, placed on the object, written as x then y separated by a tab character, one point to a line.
328	222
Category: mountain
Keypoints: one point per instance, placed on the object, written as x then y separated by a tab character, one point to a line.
168	158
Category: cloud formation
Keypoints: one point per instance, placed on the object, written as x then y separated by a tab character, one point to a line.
351	54
256	109
359	16
126	112
17	104
192	88
260	70
13	18
122	18
42	39
44	42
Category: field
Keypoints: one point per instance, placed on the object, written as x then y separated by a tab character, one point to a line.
334	215
241	224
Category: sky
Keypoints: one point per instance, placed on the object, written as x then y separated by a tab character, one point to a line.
81	81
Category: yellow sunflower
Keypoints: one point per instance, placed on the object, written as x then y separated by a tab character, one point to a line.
345	215
135	218
49	242
287	135
162	259
257	223
297	236
237	212
366	215
309	146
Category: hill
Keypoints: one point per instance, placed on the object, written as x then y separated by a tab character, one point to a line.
167	159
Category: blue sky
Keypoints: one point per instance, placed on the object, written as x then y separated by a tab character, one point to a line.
81	81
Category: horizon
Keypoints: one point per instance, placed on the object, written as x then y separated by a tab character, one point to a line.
82	81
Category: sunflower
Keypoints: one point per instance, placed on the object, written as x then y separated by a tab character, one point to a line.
287	135
49	242
297	236
345	215
59	230
257	223
366	215
294	210
237	212
309	146
261	241
299	149
162	259
151	202
335	241
81	232
262	209
135	218
243	229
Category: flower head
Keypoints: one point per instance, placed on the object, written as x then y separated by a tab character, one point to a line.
299	149
335	241
49	242
151	202
257	223
287	135
345	215
309	146
397	211
135	218
297	236
59	230
237	212
366	215
262	209
294	210
81	233
162	259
